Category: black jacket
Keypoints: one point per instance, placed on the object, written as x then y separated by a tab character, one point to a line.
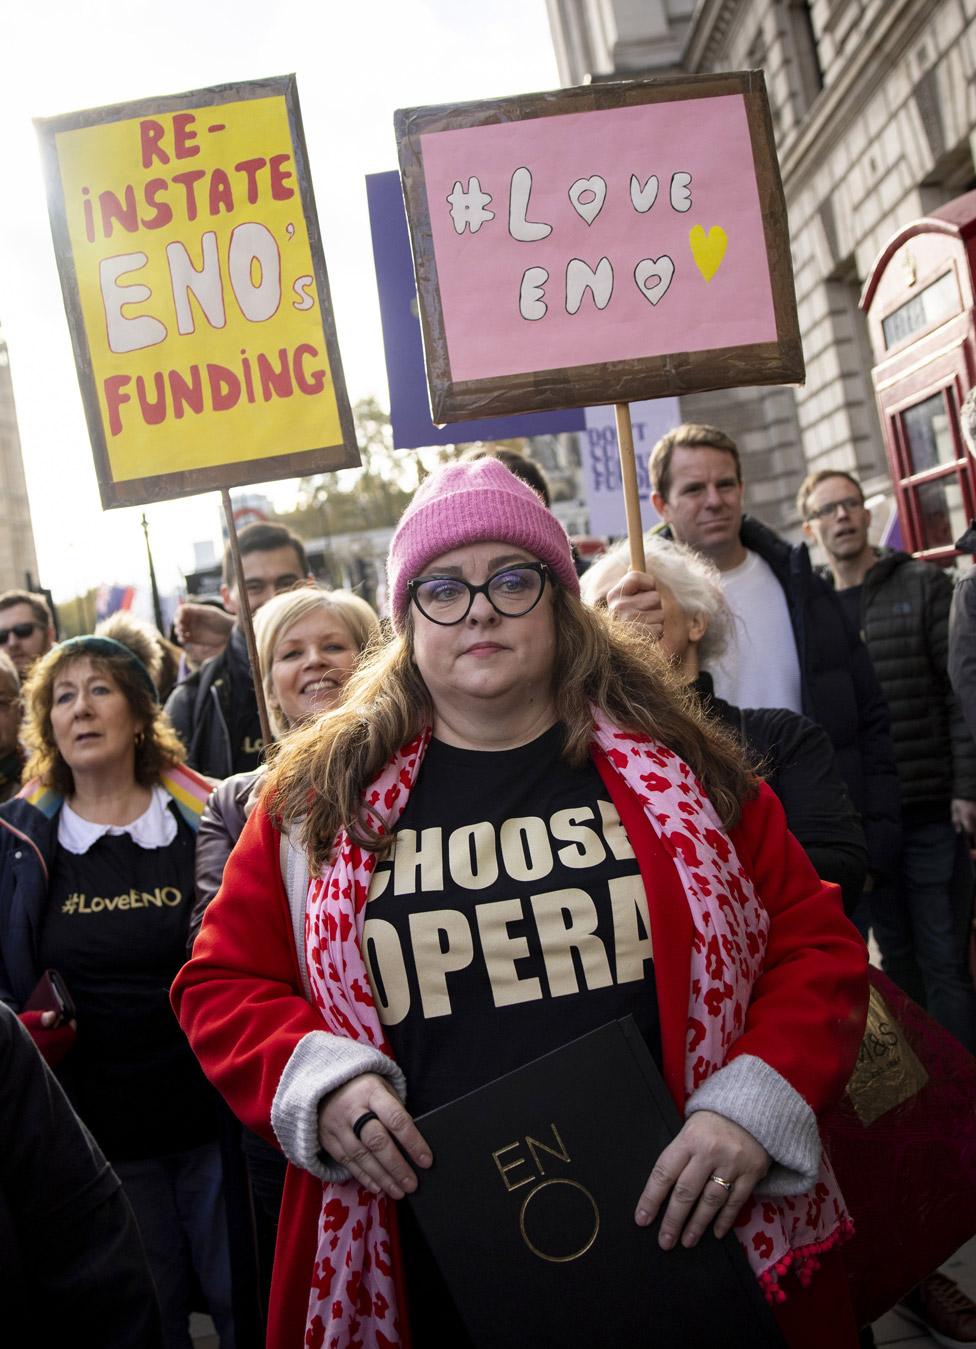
962	635
905	624
796	758
72	1268
215	711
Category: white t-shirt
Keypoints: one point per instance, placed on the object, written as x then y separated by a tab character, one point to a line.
760	667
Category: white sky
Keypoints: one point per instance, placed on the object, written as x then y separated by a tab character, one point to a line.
355	64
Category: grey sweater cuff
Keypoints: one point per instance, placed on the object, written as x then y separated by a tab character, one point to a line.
755	1096
320	1063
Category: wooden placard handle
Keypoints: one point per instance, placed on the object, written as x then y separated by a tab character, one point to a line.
247	622
628	474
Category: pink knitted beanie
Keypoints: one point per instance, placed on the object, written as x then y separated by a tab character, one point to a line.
477	502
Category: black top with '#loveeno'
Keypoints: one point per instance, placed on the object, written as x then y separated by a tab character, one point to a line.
509	919
115	928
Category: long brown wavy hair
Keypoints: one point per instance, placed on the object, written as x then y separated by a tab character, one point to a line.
322	770
158	748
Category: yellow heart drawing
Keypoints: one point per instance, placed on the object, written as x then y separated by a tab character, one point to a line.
708	250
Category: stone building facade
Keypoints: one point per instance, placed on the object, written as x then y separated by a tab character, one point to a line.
18	560
875	121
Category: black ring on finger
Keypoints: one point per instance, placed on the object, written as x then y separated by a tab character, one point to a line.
361	1123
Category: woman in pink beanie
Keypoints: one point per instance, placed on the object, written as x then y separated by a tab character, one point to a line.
514	829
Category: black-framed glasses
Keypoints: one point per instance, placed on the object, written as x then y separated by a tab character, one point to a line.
511	592
846	504
18	630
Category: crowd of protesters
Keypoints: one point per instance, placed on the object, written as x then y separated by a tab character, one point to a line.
157	854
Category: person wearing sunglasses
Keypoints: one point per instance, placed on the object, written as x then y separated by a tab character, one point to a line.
475	859
26	628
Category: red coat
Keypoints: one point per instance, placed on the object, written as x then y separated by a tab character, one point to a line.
240	1002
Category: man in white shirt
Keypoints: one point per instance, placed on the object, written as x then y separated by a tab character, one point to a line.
793	646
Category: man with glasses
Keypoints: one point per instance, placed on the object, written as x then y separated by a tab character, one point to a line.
26	628
921	917
215	711
901	607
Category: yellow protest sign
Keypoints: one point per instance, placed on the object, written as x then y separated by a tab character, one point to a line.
196	291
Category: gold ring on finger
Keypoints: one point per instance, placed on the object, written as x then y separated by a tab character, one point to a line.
725	1184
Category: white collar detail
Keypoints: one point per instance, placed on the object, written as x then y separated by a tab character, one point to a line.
154	828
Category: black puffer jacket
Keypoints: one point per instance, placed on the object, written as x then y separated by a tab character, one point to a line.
905	624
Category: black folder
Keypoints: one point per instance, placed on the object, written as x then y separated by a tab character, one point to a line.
529	1212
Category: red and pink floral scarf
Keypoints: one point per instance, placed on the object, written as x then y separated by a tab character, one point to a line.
353	1298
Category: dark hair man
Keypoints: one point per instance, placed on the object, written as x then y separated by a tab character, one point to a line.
696	475
26	627
792	645
215	711
901	607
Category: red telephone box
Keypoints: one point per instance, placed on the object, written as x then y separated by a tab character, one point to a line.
919	304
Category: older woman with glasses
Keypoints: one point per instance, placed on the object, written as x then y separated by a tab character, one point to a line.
507	746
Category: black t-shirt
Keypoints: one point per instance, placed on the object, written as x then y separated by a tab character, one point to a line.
115	928
850	602
509	919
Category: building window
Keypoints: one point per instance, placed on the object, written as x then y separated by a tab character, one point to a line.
933	483
809	69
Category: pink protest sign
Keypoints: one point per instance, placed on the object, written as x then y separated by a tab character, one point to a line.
599	244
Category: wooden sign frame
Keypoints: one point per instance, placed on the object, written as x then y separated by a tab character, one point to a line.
164	485
779	361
